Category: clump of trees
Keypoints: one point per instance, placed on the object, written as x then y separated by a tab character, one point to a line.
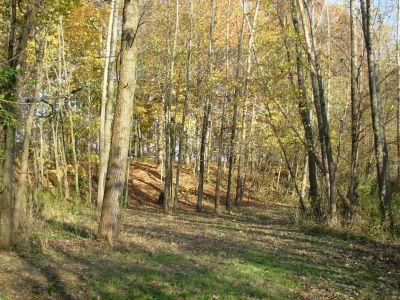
290	99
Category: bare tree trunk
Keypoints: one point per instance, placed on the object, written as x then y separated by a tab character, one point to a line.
56	155
380	145
185	105
235	115
223	117
306	121
107	99
109	226
398	93
207	110
20	194
64	163
318	88
128	169
41	155
305	175
169	122
240	185
16	60
355	108
89	149
74	150
8	133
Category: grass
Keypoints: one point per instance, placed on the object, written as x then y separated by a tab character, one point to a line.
255	254
258	252
4	295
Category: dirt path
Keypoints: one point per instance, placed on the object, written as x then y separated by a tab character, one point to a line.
255	253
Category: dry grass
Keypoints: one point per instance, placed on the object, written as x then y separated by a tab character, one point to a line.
256	253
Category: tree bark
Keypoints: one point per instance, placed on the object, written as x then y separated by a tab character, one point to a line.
107	100
206	116
185	105
355	108
321	110
109	226
235	115
398	93
20	194
223	117
241	179
378	125
169	120
306	121
17	60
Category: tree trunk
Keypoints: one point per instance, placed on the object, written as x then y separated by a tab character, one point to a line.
17	60
169	122
235	115
185	106
206	116
398	93
320	101
109	226
306	121
223	117
107	100
240	185
20	194
355	108
380	145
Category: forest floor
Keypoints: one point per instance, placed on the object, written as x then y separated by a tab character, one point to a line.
257	252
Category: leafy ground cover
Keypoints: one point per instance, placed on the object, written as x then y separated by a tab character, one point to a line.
255	253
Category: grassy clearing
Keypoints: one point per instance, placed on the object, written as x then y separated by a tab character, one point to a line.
259	252
254	254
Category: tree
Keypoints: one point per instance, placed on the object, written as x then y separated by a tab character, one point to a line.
317	84
15	89
107	99
380	145
235	113
109	226
169	120
20	195
206	113
355	107
306	120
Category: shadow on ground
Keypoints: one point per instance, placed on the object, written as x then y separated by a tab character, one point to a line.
255	254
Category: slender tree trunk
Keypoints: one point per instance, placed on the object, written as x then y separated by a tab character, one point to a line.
20	195
318	87
380	145
74	150
89	149
169	122
109	226
240	185
56	155
107	99
16	60
235	115
398	93
355	108
207	110
8	134
185	105
306	121
223	113
63	156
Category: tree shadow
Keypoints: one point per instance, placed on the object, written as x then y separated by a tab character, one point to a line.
46	266
72	229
